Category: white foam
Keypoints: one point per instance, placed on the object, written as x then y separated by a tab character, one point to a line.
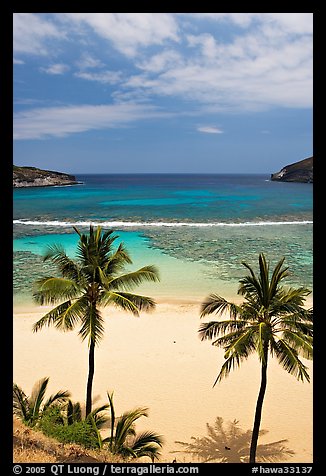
157	224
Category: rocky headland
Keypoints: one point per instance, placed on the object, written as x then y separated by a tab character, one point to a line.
301	171
34	177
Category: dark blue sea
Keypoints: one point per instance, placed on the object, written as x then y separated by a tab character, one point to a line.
196	228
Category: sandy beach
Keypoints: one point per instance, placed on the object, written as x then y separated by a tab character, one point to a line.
158	361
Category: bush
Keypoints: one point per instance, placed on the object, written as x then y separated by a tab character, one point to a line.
80	432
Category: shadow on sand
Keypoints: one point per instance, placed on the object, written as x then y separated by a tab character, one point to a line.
228	443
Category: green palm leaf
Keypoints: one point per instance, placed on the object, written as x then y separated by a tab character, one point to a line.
219	305
20	403
30	409
59	397
210	330
51	290
65	316
67	267
289	359
92	326
147	444
129	280
128	302
125	425
37	396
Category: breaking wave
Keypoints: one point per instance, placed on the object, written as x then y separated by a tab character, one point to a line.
157	224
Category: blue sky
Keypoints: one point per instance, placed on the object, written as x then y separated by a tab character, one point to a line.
160	92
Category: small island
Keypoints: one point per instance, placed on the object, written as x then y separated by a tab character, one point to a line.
34	177
301	171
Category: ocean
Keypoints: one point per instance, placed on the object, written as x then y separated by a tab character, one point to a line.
197	229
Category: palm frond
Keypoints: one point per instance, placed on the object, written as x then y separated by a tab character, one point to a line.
73	412
59	397
72	314
93	325
37	396
54	316
289	359
146	438
292	299
295	323
277	276
147	444
133	303
264	279
242	344
21	406
212	329
50	290
112	412
228	339
67	266
99	416
302	343
129	280
125	424
118	260
219	305
250	284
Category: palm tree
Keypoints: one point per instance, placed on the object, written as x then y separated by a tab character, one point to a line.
30	409
123	439
230	444
92	280
270	321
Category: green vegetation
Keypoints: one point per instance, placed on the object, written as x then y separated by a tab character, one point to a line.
31	409
270	321
62	419
80	432
94	279
123	439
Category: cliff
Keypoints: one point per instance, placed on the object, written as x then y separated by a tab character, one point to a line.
34	177
301	171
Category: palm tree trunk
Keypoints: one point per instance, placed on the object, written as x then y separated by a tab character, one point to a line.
91	367
259	407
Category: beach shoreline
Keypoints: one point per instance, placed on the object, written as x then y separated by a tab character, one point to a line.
158	361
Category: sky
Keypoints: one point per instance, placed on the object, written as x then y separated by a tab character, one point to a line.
162	92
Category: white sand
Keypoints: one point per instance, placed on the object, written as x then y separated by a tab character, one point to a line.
158	361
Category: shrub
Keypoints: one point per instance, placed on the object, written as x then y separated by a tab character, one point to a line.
79	432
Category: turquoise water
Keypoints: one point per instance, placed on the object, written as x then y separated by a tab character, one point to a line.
196	228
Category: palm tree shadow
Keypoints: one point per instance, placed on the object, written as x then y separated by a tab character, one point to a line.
228	443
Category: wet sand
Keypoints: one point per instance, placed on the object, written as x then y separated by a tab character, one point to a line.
158	361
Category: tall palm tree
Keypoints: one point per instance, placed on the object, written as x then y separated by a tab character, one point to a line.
31	408
124	440
270	321
92	280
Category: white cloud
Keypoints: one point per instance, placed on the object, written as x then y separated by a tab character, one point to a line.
301	23
265	61
129	31
104	77
264	67
161	62
31	33
88	61
18	61
209	130
55	69
41	123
